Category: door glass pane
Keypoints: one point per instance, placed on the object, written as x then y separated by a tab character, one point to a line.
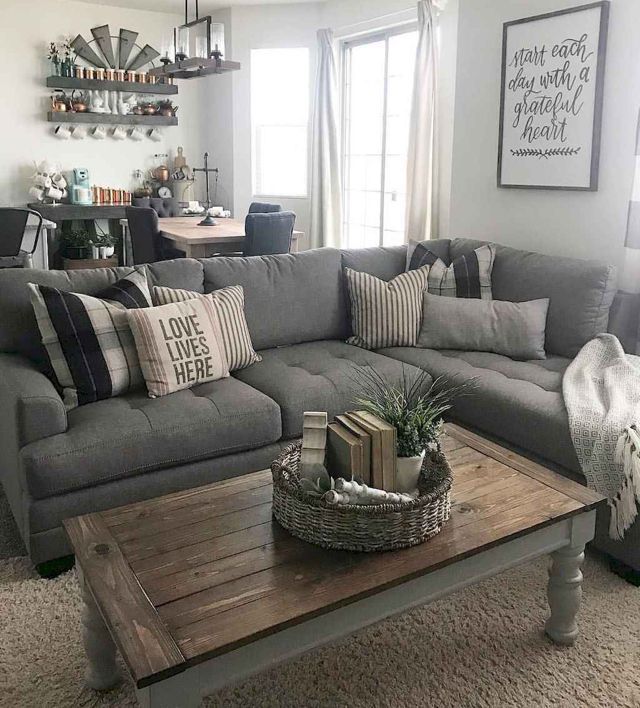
401	60
364	94
378	90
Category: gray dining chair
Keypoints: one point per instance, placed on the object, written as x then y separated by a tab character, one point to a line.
147	242
267	234
13	224
263	208
164	208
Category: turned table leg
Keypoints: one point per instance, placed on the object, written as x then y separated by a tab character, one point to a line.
564	593
102	672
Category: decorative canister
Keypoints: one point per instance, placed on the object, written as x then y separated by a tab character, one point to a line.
89	73
78	71
142	77
151	78
109	74
120	74
100	74
131	76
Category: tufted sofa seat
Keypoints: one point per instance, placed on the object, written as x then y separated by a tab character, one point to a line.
133	434
314	376
522	401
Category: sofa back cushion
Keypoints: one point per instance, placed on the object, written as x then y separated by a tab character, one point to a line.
580	292
19	332
289	298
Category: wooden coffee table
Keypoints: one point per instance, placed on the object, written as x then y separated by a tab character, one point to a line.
201	588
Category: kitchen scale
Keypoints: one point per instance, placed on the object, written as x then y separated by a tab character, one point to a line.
80	192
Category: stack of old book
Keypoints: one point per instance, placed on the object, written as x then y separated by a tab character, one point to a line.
363	447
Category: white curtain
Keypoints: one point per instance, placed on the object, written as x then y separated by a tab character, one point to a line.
630	280
326	189
422	166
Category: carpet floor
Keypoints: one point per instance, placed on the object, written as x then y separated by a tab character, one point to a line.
482	646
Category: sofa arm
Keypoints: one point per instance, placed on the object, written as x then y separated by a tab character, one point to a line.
31	407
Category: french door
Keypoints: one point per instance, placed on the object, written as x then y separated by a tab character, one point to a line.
377	90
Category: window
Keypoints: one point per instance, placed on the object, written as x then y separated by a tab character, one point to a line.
279	118
377	91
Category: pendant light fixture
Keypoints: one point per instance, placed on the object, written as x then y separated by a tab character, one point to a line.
197	49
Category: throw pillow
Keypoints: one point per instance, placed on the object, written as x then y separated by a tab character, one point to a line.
179	345
229	304
88	339
514	329
468	276
386	314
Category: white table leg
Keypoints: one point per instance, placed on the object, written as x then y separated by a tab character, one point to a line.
102	672
564	593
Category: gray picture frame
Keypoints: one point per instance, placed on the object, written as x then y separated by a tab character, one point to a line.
598	98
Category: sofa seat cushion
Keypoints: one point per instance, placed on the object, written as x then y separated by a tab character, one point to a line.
520	402
314	376
133	434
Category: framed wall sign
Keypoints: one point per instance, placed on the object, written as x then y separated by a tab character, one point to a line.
551	99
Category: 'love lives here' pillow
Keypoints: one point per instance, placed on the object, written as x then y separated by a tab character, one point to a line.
179	345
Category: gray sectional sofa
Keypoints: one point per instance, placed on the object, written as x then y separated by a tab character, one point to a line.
56	464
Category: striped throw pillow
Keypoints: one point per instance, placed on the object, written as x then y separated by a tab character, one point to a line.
386	314
179	345
88	338
229	304
467	276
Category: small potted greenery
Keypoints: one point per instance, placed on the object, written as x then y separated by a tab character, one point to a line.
414	405
76	244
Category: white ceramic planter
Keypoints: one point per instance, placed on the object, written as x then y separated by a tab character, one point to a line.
407	473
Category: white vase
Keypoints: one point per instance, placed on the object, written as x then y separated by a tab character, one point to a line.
408	472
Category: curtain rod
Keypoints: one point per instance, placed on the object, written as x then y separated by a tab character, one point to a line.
375	19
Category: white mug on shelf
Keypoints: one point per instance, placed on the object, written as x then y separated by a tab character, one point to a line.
103	252
99	132
54	193
155	135
41	180
62	132
58	179
37	193
136	134
79	132
119	133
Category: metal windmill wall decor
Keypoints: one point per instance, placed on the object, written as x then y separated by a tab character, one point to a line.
125	43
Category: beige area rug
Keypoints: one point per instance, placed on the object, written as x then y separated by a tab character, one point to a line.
482	646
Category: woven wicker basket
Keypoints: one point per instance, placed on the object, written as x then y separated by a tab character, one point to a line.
378	527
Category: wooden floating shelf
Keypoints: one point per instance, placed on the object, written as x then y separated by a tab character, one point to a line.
109	119
192	68
67	82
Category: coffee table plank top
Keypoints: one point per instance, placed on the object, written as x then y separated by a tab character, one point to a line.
205	571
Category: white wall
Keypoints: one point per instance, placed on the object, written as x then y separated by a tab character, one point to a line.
25	30
582	224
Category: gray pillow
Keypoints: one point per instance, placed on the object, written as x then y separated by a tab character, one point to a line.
515	329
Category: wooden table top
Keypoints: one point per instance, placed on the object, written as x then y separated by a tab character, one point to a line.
192	575
185	229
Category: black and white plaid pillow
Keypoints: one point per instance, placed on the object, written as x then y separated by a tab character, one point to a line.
467	276
88	338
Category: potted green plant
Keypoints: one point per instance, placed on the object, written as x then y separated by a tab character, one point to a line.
414	405
76	244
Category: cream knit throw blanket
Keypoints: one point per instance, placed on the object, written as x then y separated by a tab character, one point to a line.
602	394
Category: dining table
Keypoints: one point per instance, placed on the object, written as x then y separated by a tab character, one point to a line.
227	236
